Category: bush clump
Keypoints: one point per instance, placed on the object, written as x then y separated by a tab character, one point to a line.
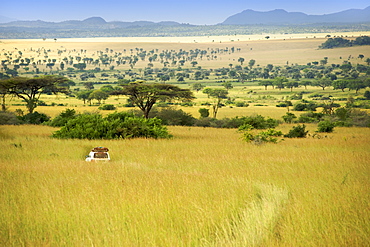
347	117
170	116
114	126
310	117
259	122
271	135
107	107
298	131
34	118
305	106
8	118
289	117
62	118
326	126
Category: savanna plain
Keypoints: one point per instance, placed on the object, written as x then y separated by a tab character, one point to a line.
204	186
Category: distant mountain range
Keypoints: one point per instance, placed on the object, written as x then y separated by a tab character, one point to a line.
93	22
275	21
247	17
282	17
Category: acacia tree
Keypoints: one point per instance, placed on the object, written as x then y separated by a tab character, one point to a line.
99	95
242	77
30	89
340	84
218	94
145	95
323	83
80	66
241	60
84	95
279	82
266	83
197	86
358	84
291	85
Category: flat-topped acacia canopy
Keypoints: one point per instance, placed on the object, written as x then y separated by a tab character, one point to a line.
30	89
145	95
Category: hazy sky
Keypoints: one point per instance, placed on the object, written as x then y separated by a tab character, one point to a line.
183	11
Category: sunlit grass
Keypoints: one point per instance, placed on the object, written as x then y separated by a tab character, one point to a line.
204	187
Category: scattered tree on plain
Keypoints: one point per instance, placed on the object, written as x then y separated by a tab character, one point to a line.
145	95
30	89
218	94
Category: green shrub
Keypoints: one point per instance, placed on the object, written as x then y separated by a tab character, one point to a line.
241	104
235	122
343	113
367	95
34	118
310	117
107	107
204	112
326	126
170	116
298	131
213	122
262	137
282	104
62	118
114	126
288	117
303	106
259	122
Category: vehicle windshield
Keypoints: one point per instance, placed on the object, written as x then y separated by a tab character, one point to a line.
101	155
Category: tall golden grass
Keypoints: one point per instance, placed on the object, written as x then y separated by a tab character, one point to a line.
204	187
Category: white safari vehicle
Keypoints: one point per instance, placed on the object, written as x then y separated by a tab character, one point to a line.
98	154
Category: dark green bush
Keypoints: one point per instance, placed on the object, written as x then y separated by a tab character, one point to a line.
241	104
107	107
34	118
114	126
310	117
204	112
259	122
210	122
326	126
298	131
170	116
367	95
235	122
262	137
282	105
62	118
309	106
289	117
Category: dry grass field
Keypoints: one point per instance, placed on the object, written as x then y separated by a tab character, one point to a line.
278	50
205	186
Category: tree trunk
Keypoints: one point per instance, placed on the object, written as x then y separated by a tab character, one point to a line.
146	113
3	106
